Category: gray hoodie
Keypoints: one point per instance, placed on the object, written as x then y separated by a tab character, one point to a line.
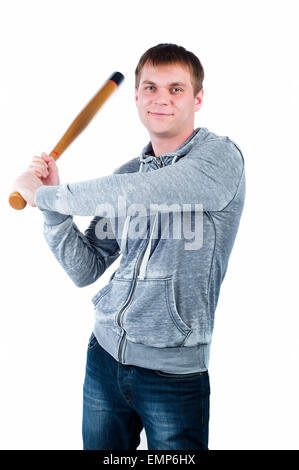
174	220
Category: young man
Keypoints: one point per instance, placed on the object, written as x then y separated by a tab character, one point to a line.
148	355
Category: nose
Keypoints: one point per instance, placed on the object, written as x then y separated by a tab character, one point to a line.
161	97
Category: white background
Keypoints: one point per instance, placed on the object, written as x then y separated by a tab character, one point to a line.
55	55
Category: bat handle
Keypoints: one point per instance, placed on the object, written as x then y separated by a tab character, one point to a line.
16	201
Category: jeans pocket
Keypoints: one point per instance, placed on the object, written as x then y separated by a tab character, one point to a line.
151	317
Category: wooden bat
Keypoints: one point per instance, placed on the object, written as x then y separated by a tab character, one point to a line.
78	125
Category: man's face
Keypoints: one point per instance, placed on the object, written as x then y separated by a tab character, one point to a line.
165	100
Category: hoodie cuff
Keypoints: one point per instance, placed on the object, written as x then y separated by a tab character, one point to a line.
53	198
45	197
46	200
53	218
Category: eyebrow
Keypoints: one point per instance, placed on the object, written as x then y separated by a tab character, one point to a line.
170	84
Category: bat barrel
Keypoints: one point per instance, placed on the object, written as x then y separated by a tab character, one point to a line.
87	113
117	78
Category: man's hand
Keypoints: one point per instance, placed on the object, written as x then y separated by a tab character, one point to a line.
45	168
42	170
26	184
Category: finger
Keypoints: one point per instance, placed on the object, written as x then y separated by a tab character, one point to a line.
49	161
38	174
47	158
39	165
37	159
52	166
38	171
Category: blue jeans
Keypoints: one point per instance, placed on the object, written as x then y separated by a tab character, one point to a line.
119	400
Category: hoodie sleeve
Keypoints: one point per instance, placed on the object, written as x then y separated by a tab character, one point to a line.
83	256
209	175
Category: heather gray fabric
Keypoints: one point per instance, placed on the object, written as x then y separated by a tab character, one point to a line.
157	311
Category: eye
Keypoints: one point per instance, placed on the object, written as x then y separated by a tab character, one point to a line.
176	88
149	86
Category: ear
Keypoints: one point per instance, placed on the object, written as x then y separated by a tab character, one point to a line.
136	95
198	100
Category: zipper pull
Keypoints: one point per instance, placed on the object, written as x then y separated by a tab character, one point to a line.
159	161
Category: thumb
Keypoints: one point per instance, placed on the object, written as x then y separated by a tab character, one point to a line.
47	158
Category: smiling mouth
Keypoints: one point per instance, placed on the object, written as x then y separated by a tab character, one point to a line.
160	114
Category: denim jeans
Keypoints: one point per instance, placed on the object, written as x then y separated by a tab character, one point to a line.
120	400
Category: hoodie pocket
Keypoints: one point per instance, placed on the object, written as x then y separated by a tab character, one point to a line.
109	301
151	317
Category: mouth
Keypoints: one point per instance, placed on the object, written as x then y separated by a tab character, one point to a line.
159	114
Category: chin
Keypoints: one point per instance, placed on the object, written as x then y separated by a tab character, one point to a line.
167	133
159	128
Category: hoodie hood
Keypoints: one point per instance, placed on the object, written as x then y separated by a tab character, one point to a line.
196	138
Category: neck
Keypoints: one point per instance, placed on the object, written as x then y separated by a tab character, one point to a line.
166	144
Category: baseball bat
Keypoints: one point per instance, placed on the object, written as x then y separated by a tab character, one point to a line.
78	125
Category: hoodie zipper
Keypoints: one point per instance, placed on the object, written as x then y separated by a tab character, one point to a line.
125	306
159	161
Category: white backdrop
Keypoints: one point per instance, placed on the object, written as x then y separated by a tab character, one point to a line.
55	55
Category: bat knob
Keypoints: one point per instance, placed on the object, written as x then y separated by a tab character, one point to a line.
16	201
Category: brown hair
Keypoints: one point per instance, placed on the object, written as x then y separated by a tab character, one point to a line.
164	54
